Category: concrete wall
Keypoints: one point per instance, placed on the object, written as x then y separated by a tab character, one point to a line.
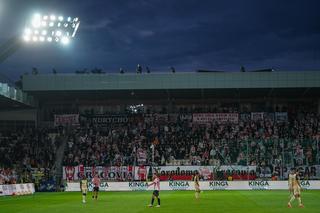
74	82
18	115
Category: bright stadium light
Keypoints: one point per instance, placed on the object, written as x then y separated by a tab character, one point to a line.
27	31
36	20
48	28
58	33
52	17
65	40
26	38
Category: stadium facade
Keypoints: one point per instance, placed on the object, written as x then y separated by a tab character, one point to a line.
248	91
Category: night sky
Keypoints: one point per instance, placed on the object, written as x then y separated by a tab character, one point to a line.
186	34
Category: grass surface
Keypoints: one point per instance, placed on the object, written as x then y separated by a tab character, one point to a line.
171	201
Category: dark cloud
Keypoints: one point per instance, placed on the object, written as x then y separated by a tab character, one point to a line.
187	34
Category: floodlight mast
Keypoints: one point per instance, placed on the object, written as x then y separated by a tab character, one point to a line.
42	28
48	28
9	48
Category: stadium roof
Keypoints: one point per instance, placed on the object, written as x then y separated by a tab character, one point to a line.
175	85
12	98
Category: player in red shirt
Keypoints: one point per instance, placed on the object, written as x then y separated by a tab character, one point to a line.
96	183
156	191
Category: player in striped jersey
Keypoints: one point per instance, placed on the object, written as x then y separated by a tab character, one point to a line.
96	183
156	191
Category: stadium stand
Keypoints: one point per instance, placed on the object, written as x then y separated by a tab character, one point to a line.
197	145
193	119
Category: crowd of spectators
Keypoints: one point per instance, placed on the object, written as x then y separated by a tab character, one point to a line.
8	176
248	142
24	152
148	141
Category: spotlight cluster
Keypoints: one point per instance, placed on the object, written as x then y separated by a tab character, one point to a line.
51	28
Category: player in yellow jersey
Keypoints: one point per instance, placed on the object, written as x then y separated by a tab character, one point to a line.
84	188
294	188
196	179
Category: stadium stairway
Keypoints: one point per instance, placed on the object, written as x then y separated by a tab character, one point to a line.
57	167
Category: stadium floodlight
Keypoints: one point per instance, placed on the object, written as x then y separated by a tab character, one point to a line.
26	38
58	33
42	28
52	17
36	20
65	40
58	28
27	31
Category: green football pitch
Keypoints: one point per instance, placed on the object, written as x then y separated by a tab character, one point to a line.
171	201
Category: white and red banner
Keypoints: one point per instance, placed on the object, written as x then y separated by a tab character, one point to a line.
17	189
141	173
66	120
202	118
226	117
111	173
255	116
138	173
205	118
126	173
184	172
